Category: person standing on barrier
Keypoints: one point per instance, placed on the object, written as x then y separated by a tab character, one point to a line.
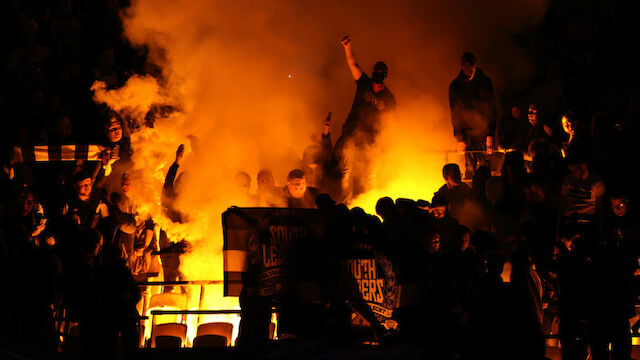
473	114
372	100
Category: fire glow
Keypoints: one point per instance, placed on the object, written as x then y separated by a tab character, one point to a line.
221	73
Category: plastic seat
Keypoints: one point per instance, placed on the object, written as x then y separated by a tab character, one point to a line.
166	341
209	341
217	328
174	330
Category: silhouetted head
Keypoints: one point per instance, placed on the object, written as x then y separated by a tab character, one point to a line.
516	112
62	127
83	184
578	167
358	212
532	114
433	242
619	204
452	175
242	181
439	206
468	65
296	183
265	179
379	75
92	243
385	206
480	177
495	264
26	202
463	237
325	202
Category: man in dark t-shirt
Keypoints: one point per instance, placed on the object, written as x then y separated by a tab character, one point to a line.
372	100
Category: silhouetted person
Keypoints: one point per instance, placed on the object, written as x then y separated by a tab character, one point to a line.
32	276
170	188
571	265
443	223
581	199
117	156
613	302
524	320
454	190
512	128
441	303
242	185
170	248
486	310
615	262
621	227
372	100
85	208
576	135
473	114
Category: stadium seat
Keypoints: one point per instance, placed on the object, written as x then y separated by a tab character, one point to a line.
209	341
166	341
217	328
174	330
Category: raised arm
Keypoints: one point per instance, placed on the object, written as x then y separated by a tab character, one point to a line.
168	190
356	71
327	147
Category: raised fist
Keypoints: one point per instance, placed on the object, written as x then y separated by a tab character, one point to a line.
346	41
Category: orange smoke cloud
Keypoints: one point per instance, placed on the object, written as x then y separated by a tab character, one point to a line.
408	155
135	98
252	81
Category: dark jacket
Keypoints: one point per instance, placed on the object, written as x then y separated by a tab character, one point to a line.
473	106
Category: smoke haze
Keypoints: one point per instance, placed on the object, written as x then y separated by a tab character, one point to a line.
253	80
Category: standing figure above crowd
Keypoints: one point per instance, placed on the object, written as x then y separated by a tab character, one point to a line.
372	101
473	114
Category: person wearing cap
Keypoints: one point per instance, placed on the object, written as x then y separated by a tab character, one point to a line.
473	114
372	100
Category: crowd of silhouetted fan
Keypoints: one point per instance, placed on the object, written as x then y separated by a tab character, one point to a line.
542	241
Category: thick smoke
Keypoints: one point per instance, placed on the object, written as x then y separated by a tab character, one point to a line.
254	80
